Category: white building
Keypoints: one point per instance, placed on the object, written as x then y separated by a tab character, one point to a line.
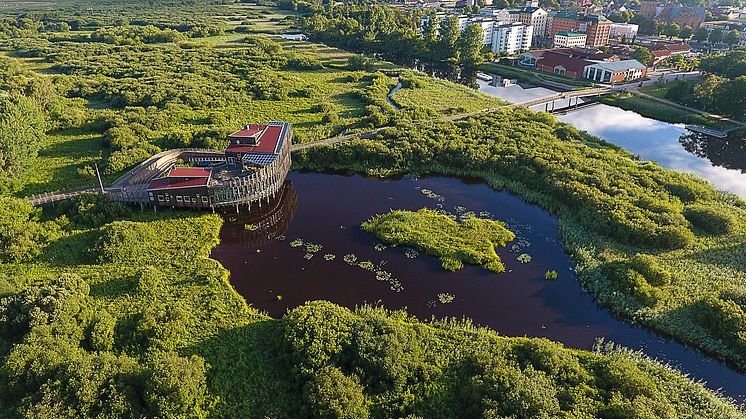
536	17
570	40
512	38
623	30
615	71
502	15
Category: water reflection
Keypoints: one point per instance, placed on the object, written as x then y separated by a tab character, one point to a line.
722	162
516	303
260	226
729	153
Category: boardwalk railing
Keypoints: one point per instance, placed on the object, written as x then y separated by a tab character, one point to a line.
50	197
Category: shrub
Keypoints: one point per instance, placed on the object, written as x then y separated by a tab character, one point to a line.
710	219
102	332
56	303
92	210
723	317
303	62
22	236
634	283
331	394
316	333
177	386
651	269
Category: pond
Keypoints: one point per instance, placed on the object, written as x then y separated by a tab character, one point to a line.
721	161
327	210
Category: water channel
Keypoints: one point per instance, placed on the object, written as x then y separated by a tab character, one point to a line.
275	274
274	270
721	161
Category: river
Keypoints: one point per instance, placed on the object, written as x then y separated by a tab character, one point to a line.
720	161
275	272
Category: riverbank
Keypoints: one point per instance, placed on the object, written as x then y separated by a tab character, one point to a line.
520	151
533	77
650	107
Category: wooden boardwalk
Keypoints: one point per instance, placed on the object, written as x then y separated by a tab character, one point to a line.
131	187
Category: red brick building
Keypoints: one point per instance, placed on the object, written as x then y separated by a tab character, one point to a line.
596	27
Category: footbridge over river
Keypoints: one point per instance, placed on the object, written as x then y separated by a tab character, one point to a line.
132	186
550	99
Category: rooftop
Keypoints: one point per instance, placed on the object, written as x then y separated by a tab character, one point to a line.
175	182
616	66
570	33
553	59
189	172
271	142
567	15
248	131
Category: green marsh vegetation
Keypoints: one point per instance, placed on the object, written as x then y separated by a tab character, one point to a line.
105	311
131	317
113	87
611	206
472	241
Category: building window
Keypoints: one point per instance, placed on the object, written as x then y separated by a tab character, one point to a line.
160	198
194	199
204	199
178	198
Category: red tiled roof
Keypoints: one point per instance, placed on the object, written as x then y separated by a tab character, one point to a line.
189	172
249	131
678	47
552	60
268	144
170	183
660	53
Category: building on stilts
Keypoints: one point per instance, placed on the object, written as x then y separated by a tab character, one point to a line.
249	172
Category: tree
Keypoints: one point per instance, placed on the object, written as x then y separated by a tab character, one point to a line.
176	386
22	127
686	32
470	45
331	394
447	38
642	54
678	61
672	29
430	32
701	34
716	36
731	38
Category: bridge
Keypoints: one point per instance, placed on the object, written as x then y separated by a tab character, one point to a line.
131	187
577	94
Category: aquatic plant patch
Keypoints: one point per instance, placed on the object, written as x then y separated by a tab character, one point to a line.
472	241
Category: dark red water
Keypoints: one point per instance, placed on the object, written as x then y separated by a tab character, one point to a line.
327	209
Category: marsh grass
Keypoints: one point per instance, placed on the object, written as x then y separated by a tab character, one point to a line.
473	240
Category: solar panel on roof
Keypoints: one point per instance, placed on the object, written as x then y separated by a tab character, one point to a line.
259	159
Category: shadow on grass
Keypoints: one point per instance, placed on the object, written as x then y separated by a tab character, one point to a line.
248	371
71	250
113	287
732	257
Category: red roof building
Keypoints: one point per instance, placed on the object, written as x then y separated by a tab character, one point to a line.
253	169
189	172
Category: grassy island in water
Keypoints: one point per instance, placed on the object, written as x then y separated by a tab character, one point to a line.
473	240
